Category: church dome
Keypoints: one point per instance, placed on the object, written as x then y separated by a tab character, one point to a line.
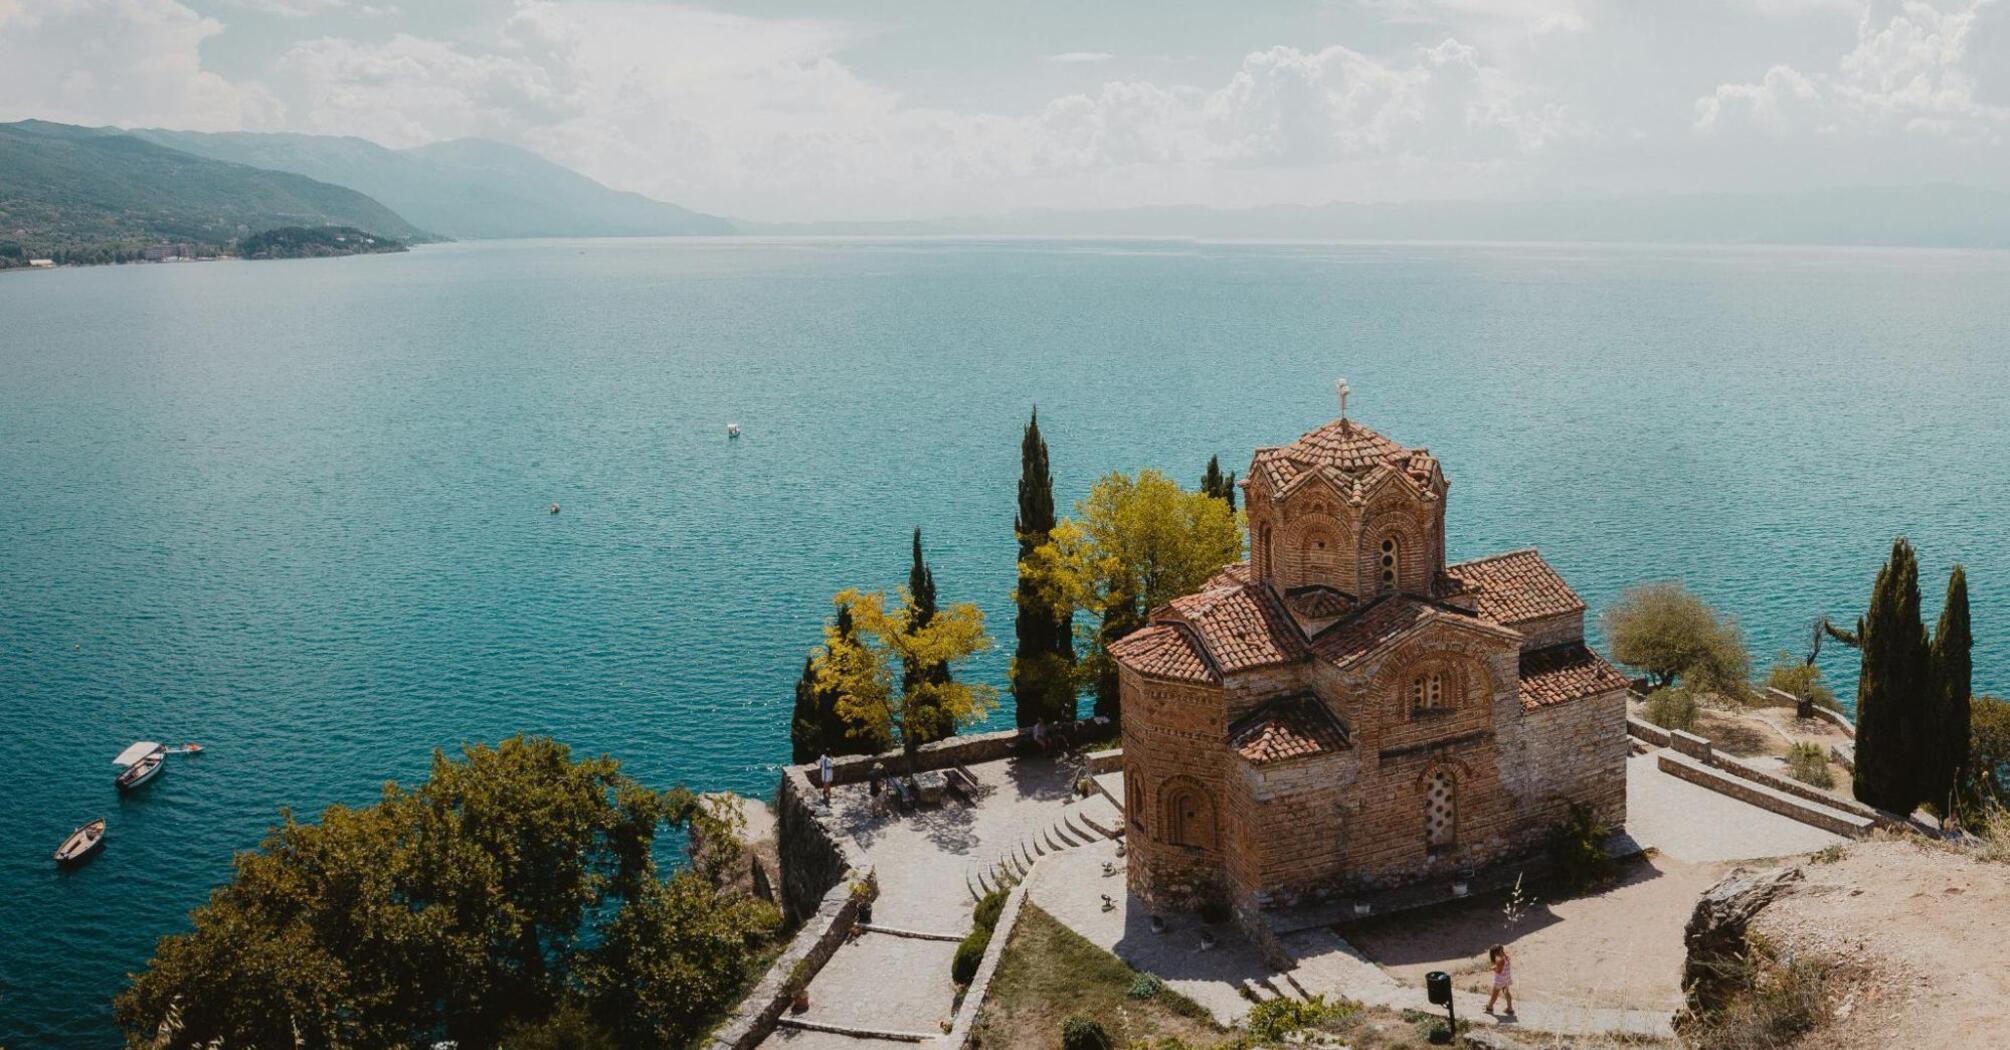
1344	450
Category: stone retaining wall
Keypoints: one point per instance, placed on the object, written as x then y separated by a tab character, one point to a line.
810	949
816	856
1644	730
1753	793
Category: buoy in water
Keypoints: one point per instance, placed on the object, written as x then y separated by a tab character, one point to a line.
732	430
554	508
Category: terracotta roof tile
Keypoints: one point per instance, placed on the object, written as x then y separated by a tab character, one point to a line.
1563	673
1290	727
1373	626
1344	450
1517	587
1320	603
1165	651
1240	626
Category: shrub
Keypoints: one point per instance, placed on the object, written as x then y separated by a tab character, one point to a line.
1672	708
1809	764
1577	847
989	909
1145	986
1777	1001
1790	674
969	954
1084	1033
1276	1019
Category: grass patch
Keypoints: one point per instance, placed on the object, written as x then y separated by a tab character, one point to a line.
1050	973
1777	1001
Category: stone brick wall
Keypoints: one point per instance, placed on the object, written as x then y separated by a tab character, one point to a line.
816	856
1173	734
1560	629
1576	752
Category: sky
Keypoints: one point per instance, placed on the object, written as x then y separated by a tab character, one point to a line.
877	109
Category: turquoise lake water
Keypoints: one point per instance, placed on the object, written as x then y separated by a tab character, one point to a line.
297	511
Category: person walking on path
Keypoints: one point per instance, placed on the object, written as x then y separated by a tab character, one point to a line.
1503	978
824	774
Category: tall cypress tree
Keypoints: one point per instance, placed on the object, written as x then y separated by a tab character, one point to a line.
1893	695
1215	483
1953	682
1044	659
921	585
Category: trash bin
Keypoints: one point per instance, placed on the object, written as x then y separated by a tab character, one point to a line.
1438	985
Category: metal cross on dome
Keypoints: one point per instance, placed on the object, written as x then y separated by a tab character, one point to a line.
1340	386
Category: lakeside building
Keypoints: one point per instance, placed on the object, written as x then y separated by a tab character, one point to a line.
1345	712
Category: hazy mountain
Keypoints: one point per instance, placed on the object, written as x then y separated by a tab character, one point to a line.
65	188
1926	216
468	188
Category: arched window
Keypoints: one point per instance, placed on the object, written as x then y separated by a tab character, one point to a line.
1269	564
1189	816
1134	799
1441	810
1427	692
1392	561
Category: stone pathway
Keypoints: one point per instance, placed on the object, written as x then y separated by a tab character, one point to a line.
1692	823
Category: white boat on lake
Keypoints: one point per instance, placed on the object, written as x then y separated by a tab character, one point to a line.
140	763
82	843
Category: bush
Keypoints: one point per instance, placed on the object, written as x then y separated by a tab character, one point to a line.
1577	847
989	909
1672	708
969	954
1777	1002
1084	1033
1145	986
1809	764
1790	674
1276	1019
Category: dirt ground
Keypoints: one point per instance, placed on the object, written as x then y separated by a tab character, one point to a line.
1620	948
1929	929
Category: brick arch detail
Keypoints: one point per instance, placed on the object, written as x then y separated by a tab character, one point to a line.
1181	824
1411	524
1469	680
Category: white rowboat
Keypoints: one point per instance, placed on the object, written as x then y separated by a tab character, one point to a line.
82	843
139	764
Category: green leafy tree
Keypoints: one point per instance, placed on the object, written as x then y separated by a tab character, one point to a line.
1135	544
1894	695
452	910
869	680
1984	774
1947	745
673	960
1043	663
1664	630
920	613
816	727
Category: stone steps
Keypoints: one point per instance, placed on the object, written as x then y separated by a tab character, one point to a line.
1081	822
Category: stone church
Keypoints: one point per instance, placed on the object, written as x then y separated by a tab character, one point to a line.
1347	712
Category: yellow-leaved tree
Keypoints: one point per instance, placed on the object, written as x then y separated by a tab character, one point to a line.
866	675
1133	545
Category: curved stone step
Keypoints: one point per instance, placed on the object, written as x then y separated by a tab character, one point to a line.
1061	830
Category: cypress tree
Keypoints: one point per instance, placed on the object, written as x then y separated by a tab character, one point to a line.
1044	658
921	586
1893	696
805	730
1215	483
1953	681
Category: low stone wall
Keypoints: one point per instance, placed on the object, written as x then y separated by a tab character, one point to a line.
1696	747
1106	761
955	751
964	1026
1642	729
808	951
1837	719
1756	794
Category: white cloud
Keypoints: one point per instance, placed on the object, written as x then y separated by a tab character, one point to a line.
289	8
136	62
1907	73
1078	57
1533	16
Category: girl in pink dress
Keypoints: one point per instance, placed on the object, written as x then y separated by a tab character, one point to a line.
1503	978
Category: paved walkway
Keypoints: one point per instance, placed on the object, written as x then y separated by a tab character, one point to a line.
1691	823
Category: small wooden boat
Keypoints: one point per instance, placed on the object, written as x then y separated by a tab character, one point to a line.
82	843
139	764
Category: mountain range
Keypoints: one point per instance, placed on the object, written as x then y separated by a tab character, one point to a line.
464	189
65	188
